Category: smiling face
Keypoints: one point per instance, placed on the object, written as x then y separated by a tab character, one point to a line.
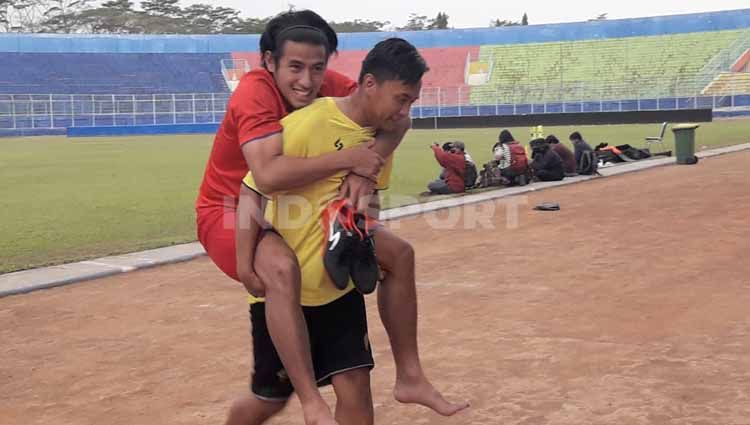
389	101
298	72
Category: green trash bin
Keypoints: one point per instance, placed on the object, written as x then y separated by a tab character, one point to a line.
684	143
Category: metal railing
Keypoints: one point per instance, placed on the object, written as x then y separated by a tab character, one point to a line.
723	60
36	111
51	111
553	92
451	103
556	90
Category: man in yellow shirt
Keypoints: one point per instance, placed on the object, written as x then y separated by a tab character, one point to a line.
297	214
390	82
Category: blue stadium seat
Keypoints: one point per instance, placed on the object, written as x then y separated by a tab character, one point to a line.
742	100
111	73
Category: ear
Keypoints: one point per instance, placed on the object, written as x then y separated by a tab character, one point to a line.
269	61
369	82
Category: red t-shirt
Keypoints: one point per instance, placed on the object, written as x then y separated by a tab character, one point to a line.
253	112
455	168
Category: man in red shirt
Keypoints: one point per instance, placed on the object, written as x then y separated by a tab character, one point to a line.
251	122
453	160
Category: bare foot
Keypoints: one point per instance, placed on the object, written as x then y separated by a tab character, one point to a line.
318	414
421	391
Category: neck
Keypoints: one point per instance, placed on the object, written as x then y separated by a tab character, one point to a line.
354	106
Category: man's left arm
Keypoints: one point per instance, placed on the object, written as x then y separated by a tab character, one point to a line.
358	189
373	207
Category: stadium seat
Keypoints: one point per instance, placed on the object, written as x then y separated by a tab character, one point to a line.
602	69
728	84
111	73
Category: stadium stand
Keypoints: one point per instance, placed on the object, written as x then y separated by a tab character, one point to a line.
111	73
446	63
622	68
693	61
729	83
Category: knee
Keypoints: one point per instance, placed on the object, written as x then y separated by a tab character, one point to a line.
357	409
395	255
280	275
353	390
240	412
405	258
407	252
251	410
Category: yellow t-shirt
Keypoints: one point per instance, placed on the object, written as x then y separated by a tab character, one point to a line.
296	214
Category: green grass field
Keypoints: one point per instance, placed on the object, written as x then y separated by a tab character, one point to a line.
71	199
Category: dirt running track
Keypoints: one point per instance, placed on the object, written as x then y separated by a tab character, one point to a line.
629	306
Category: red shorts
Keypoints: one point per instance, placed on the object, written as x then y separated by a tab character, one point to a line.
216	234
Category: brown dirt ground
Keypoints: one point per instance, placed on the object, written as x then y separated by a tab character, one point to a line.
628	306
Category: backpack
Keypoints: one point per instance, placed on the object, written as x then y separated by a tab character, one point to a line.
589	163
519	163
470	175
634	153
491	175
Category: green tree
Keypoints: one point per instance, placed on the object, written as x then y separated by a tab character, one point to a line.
6	7
250	26
440	22
415	23
113	17
26	15
155	24
121	5
63	16
21	15
206	19
525	19
504	23
359	25
167	8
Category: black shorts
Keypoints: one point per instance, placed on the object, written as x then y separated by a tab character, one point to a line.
338	343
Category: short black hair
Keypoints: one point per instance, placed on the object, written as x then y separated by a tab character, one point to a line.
394	59
575	136
302	26
552	139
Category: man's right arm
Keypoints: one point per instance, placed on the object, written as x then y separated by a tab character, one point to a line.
274	171
255	111
447	160
249	224
439	155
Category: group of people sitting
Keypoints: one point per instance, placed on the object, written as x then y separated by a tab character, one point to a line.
550	161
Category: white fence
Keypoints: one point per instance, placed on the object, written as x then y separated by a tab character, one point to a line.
51	111
62	111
